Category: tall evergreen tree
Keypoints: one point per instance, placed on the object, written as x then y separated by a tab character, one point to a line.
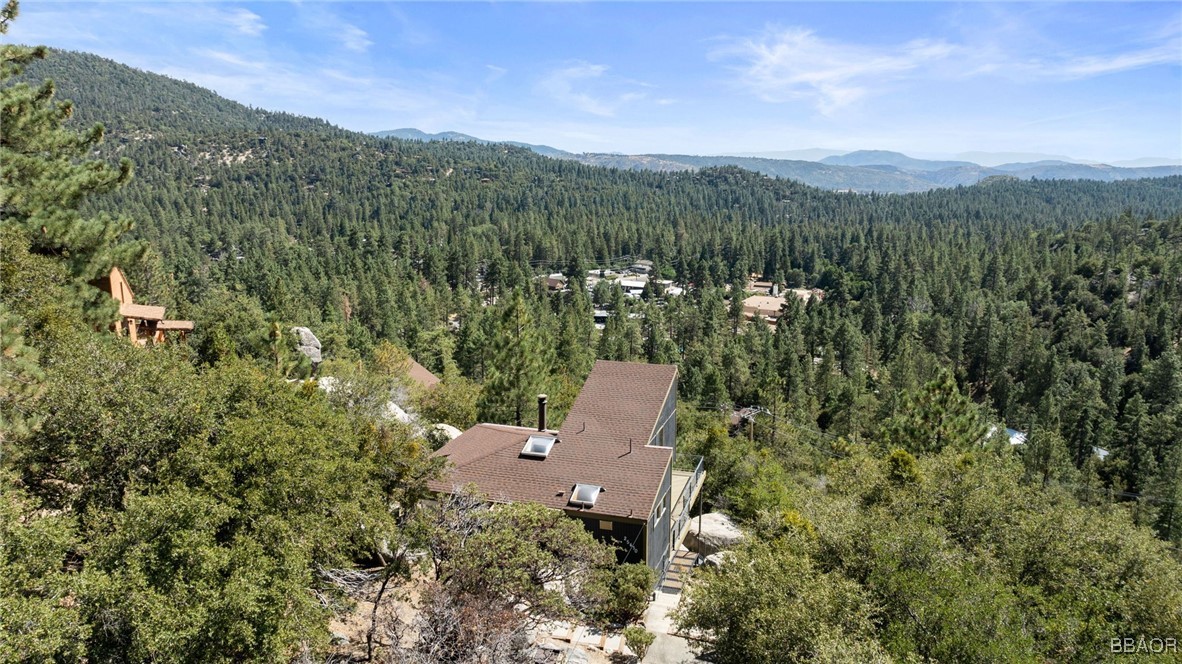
45	176
518	367
1167	491
936	416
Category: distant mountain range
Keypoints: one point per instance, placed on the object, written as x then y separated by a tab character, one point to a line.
862	171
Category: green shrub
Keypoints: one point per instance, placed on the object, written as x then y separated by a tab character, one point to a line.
638	639
619	593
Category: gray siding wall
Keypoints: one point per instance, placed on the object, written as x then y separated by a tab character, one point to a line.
659	523
666	433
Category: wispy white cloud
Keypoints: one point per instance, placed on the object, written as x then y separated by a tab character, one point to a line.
244	21
231	59
582	85
1035	46
795	63
354	38
237	20
326	22
53	25
783	64
1096	65
494	73
269	82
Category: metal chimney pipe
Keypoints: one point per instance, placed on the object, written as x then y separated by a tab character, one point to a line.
541	412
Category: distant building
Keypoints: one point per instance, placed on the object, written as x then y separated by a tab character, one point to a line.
806	294
600	317
140	322
668	288
766	307
555	282
633	287
1013	436
762	287
611	464
642	267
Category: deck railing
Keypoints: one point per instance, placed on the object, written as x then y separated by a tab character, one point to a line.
692	464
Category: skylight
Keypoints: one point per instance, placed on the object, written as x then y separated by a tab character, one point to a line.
585	495
538	447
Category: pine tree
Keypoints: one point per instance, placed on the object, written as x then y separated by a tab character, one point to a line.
518	366
1164	387
20	378
1167	490
1133	458
576	354
45	177
658	347
936	416
1046	458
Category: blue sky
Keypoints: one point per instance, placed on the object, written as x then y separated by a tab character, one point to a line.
1094	80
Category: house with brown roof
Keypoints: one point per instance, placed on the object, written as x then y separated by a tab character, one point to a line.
612	464
139	322
421	376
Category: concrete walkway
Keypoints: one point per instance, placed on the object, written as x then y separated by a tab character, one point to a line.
667	648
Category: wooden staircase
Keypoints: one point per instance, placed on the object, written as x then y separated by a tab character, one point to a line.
679	568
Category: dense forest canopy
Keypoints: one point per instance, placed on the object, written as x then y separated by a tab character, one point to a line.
1052	307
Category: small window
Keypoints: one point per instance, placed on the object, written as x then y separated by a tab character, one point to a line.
538	446
605	525
585	495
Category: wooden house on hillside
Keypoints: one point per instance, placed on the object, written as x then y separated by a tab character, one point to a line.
139	322
612	465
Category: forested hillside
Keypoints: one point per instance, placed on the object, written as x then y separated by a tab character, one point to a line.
1050	301
1052	307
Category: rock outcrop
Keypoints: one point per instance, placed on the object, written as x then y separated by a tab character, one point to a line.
712	533
309	345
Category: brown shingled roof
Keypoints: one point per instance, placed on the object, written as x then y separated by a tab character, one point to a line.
619	401
419	374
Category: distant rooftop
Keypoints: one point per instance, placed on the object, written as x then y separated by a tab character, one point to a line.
419	374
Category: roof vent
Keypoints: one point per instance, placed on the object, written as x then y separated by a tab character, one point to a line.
538	447
585	495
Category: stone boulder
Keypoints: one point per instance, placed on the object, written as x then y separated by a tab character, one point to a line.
716	532
446	432
309	345
438	435
393	411
717	559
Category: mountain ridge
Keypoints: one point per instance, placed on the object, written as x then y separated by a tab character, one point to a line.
172	101
864	171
